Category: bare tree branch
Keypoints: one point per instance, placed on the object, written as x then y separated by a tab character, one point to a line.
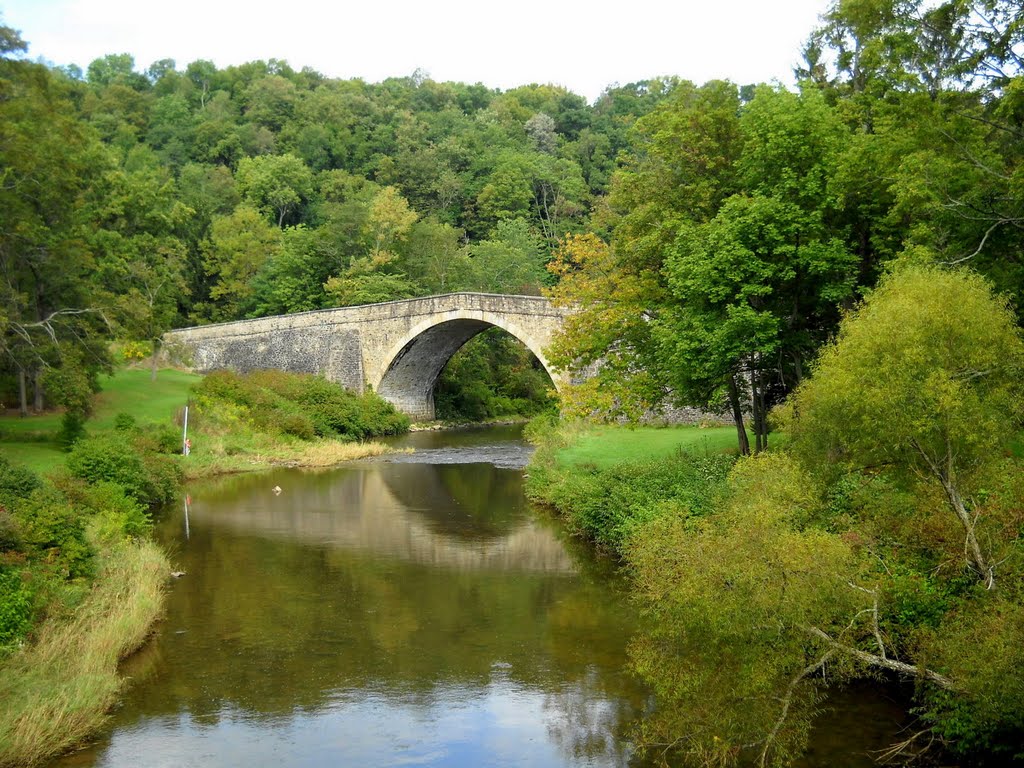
875	660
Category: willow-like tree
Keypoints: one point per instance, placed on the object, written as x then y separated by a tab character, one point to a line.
927	377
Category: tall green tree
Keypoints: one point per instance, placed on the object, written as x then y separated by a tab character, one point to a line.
141	260
276	184
48	160
240	244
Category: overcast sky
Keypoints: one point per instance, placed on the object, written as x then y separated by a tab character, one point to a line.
583	46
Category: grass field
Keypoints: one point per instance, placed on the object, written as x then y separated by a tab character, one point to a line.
32	441
605	445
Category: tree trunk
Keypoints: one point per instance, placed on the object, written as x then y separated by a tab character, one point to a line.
22	393
972	549
37	390
762	415
757	407
737	416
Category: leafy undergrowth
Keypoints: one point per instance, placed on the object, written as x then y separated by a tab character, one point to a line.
607	481
242	422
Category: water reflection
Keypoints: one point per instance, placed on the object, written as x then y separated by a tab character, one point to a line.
466	516
389	614
399	613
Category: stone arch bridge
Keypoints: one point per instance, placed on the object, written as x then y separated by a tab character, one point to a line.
398	348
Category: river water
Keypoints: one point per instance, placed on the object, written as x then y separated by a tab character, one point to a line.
413	610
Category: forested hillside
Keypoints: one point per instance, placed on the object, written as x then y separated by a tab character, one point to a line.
136	201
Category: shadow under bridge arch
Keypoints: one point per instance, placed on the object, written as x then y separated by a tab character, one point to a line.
417	360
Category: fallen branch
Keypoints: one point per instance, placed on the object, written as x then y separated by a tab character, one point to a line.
874	660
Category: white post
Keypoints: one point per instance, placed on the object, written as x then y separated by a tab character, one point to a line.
184	435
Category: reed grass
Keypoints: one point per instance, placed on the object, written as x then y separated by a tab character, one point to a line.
57	691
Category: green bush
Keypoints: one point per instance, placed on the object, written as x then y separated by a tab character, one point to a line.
53	531
10	536
163	479
607	504
301	405
160	438
15	482
117	515
124	422
72	429
298	424
15	606
147	478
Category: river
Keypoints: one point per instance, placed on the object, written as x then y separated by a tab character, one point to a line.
413	610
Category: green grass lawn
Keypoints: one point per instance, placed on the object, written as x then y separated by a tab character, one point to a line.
610	444
31	441
150	402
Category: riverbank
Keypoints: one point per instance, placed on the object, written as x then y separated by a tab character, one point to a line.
220	446
773	578
606	480
210	461
82	583
57	690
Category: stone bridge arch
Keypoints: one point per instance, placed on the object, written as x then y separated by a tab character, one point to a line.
410	369
398	348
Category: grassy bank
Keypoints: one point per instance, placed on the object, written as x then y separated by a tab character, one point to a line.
57	691
228	454
604	445
244	422
32	441
222	443
606	480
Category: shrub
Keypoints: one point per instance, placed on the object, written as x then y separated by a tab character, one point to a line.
607	504
72	429
302	405
10	537
52	530
15	481
163	479
117	515
15	606
124	422
135	350
298	424
145	477
160	438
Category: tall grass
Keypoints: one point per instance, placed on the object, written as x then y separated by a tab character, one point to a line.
58	690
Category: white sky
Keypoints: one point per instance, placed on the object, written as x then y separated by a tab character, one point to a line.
582	46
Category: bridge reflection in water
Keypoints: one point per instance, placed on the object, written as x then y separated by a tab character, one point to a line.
421	513
380	614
